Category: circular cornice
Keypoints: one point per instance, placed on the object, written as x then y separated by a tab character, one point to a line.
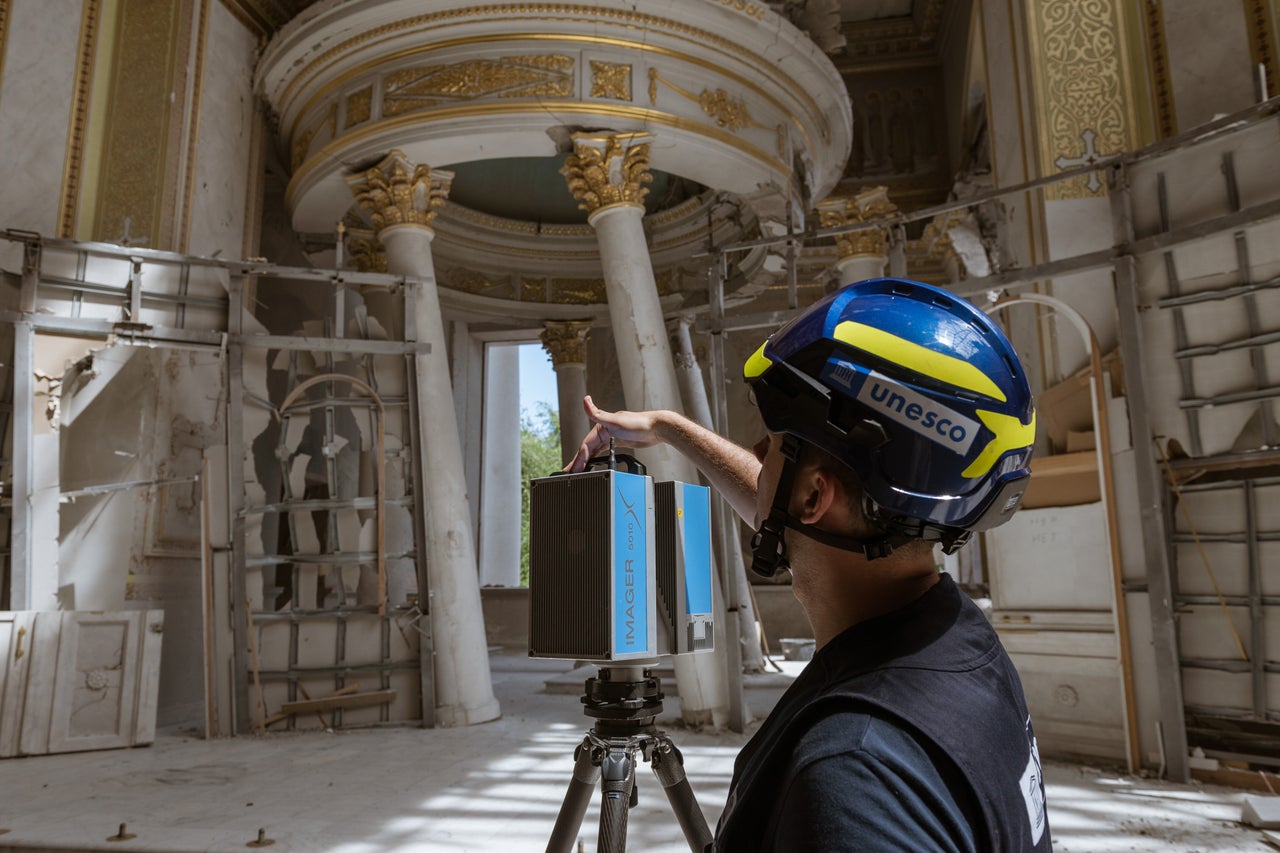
736	97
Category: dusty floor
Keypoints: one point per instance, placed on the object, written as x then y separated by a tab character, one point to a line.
495	787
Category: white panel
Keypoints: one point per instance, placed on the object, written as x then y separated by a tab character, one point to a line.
1073	691
95	700
148	682
17	633
41	674
1051	559
1205	631
1216	689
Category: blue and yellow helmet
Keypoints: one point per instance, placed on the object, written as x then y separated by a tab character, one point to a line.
917	391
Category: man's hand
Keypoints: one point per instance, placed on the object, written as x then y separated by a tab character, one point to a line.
627	429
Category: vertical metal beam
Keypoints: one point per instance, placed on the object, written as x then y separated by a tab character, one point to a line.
1164	631
1185	369
1257	623
720	511
23	433
236	447
426	642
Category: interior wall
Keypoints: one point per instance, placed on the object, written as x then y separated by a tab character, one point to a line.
1209	59
36	88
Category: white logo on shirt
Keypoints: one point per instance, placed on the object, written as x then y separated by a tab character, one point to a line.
1032	786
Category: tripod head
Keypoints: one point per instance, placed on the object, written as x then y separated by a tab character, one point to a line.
628	696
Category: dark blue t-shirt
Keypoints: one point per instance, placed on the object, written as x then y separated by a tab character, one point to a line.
907	732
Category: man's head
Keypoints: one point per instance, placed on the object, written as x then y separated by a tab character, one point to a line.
917	393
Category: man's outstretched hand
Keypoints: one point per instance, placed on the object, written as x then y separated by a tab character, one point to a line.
627	429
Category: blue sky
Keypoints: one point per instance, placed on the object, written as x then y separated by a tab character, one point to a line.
537	379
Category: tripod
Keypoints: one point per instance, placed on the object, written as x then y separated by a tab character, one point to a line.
624	702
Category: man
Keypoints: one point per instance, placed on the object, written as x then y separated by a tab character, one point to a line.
898	417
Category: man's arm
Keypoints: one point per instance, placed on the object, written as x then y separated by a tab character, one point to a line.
732	470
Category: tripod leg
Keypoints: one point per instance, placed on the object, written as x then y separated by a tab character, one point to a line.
586	770
668	766
618	780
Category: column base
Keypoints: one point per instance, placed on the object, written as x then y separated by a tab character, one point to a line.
455	716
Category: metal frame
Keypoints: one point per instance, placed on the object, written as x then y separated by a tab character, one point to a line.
1121	259
127	301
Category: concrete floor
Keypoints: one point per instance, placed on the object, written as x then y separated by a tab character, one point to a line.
495	787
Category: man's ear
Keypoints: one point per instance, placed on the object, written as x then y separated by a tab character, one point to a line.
818	490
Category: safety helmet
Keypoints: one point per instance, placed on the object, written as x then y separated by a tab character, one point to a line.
914	389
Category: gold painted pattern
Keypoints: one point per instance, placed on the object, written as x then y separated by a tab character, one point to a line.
134	156
302	145
1158	66
1082	82
188	186
608	170
549	76
727	111
359	106
73	165
540	11
4	30
610	80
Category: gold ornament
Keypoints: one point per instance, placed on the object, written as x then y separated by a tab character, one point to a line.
395	192
566	343
607	170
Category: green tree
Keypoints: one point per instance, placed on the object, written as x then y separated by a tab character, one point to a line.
539	457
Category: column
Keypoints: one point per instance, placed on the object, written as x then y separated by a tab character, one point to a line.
606	174
500	469
566	343
694	391
861	254
402	199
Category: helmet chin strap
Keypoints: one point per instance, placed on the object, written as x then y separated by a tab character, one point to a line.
768	545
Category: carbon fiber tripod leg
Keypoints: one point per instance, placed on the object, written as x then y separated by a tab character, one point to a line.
668	766
616	784
586	770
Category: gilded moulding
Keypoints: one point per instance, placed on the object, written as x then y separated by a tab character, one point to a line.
1080	76
595	41
549	76
606	170
543	13
1262	46
359	107
330	154
396	192
610	80
1158	68
73	164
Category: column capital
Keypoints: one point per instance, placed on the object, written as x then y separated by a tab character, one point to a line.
398	192
868	205
937	242
366	251
608	169
566	342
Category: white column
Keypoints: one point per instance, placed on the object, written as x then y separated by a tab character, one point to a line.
566	344
500	469
606	174
860	268
402	200
698	406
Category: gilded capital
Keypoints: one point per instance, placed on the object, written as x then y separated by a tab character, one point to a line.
396	192
938	243
566	343
866	206
610	169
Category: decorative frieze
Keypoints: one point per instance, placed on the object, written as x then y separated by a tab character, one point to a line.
566	343
359	106
610	80
549	76
1080	76
396	192
611	169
